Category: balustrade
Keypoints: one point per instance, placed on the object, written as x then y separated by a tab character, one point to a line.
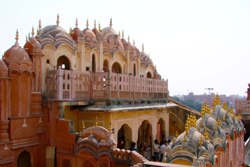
73	85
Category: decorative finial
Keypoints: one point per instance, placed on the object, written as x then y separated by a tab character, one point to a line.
143	47
231	111
37	31
70	29
83	125
32	32
216	101
99	27
128	39
201	140
206	135
134	42
26	38
29	35
110	23
87	23
94	23
96	123
17	37
203	110
119	34
76	22
39	24
188	123
225	106
57	20
218	123
122	34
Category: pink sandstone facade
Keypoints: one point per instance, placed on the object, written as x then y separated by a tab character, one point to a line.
61	92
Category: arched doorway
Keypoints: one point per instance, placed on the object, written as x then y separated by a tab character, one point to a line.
93	63
105	66
24	159
161	129
149	75
134	70
63	62
116	68
144	135
124	137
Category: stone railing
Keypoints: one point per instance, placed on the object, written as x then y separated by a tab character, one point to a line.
72	85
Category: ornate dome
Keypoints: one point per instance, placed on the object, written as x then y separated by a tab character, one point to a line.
17	58
55	35
89	35
75	33
33	45
51	30
3	69
189	146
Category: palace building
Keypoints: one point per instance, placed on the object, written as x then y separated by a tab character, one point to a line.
80	98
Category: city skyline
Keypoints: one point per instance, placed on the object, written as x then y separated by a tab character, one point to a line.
194	44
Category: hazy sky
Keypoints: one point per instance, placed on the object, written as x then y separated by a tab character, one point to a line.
195	44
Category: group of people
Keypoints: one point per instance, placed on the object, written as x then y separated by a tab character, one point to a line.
157	152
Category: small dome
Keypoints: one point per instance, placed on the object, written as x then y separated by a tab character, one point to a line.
75	33
3	69
16	55
33	45
89	35
108	30
96	31
52	30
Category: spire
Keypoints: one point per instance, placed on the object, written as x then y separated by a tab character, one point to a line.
39	24
122	34
76	22
57	20
32	31
26	38
28	35
143	47
17	37
216	101
225	106
37	31
94	23
99	27
128	39
110	23
87	23
206	135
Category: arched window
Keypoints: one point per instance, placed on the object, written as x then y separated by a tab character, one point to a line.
105	66
93	63
63	62
149	75
134	70
116	68
24	159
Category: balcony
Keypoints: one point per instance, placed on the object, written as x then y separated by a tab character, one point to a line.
64	85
